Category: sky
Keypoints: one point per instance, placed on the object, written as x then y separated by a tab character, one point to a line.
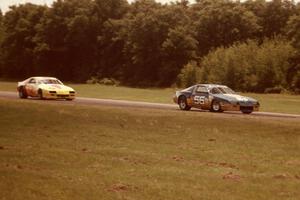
4	4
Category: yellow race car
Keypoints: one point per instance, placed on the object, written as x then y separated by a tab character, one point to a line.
45	88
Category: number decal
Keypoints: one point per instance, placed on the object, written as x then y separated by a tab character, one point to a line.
199	99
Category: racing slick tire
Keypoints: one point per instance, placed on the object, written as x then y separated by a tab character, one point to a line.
22	93
216	107
246	112
183	103
40	94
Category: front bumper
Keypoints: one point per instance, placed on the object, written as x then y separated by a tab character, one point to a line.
58	95
233	107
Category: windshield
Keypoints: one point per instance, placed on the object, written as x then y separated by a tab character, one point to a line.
50	81
221	90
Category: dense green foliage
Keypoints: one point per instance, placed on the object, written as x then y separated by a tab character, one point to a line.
146	43
246	66
221	23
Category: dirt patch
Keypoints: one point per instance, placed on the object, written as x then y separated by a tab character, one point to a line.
286	176
281	176
19	167
293	162
135	161
177	158
1	148
22	167
228	165
231	176
222	164
120	187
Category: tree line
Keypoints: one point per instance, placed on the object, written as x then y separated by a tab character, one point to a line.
149	44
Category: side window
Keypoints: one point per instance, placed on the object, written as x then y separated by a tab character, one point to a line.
201	89
215	91
200	95
32	81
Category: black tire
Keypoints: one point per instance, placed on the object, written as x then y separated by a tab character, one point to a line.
40	94
22	93
69	99
183	103
247	112
216	107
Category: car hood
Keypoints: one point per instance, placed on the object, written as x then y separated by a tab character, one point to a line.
235	98
56	87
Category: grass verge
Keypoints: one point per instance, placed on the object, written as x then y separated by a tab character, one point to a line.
51	151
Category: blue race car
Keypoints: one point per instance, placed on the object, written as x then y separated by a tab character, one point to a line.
216	98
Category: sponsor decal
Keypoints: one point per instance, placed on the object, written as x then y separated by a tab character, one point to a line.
199	99
57	86
54	87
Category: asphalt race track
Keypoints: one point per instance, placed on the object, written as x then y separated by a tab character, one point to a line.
138	104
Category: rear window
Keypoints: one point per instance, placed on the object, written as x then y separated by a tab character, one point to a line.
201	89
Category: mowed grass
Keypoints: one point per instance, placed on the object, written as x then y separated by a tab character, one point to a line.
8	86
125	93
282	103
53	151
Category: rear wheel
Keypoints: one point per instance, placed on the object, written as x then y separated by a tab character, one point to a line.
22	93
182	102
216	107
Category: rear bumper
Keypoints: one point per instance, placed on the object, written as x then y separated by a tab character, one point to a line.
175	99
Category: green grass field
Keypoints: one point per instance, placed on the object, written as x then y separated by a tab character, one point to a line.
282	103
52	151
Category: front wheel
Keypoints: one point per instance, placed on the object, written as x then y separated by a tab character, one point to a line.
246	112
183	103
40	94
216	107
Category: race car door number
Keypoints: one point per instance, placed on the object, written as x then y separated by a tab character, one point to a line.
199	99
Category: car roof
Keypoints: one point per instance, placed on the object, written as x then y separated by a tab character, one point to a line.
42	77
211	85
